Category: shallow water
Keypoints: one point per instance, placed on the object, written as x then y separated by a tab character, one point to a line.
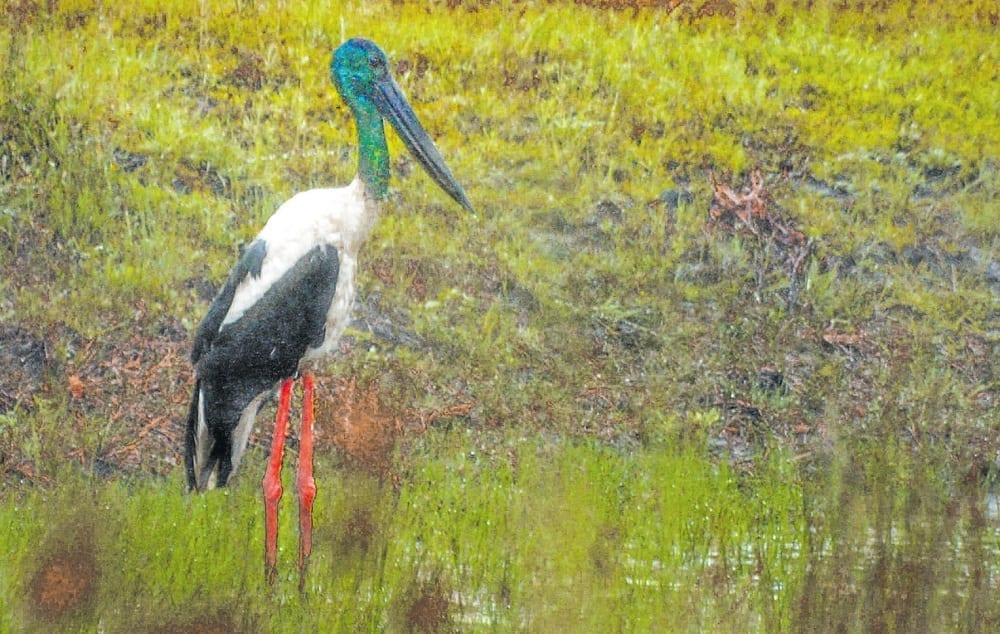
570	537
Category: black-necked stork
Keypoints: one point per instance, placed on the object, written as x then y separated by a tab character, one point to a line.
289	298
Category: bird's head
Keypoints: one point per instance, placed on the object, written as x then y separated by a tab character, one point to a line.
360	71
357	68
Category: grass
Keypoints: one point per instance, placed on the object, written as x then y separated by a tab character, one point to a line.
526	535
575	534
595	407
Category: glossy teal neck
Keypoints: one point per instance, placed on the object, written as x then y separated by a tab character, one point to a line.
373	153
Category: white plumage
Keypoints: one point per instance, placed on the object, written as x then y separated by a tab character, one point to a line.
340	217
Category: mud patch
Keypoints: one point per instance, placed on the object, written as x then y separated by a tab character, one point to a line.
24	357
249	72
143	383
210	623
65	583
426	608
201	177
363	429
359	530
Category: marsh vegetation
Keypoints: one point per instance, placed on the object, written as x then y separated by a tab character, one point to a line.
719	351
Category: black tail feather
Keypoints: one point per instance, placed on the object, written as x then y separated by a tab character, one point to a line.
214	446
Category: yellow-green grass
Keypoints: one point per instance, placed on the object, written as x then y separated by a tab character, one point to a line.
623	465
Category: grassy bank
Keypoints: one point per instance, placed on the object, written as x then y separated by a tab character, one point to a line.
641	374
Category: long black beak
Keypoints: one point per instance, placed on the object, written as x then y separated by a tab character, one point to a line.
392	105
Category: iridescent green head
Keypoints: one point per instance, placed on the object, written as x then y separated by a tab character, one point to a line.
360	71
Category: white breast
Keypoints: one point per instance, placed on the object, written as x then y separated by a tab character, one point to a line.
340	218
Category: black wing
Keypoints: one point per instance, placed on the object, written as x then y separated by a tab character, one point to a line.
270	338
250	263
242	359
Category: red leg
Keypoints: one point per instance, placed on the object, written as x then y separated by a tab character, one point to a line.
272	482
304	479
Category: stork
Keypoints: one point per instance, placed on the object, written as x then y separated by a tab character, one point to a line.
289	298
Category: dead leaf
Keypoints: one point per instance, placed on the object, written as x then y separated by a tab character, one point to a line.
75	386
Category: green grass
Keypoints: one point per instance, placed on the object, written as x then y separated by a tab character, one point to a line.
534	536
529	535
619	462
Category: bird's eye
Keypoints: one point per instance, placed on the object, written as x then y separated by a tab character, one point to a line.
376	62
